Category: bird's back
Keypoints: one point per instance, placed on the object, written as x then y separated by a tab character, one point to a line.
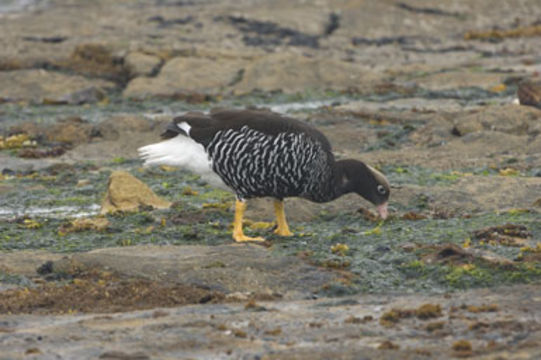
204	127
257	153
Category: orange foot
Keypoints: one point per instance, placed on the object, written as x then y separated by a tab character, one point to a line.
243	238
283	231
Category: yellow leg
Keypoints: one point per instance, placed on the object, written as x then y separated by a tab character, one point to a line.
283	228
238	234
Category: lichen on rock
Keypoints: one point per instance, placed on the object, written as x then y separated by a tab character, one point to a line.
127	193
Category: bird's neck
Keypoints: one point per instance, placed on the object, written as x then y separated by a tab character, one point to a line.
334	186
339	183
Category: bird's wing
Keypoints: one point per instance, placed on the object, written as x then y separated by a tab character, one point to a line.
203	127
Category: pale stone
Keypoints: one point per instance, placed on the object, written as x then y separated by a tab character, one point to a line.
127	193
141	64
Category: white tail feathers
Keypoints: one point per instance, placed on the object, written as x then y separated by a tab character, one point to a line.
179	151
183	152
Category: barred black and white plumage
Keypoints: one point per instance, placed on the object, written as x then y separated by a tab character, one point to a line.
256	164
259	153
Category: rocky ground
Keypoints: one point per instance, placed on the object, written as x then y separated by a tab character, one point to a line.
427	92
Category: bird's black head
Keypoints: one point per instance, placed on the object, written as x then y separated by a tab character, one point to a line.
366	181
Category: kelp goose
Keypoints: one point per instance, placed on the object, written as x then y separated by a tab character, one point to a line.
260	153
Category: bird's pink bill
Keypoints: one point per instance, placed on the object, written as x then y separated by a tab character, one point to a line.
383	211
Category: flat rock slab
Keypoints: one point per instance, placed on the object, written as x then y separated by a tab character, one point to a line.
292	73
41	86
199	75
475	194
25	262
499	323
459	79
232	268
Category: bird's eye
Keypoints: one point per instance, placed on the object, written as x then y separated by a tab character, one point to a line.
381	189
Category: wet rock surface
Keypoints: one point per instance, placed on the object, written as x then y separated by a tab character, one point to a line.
442	98
310	329
245	269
